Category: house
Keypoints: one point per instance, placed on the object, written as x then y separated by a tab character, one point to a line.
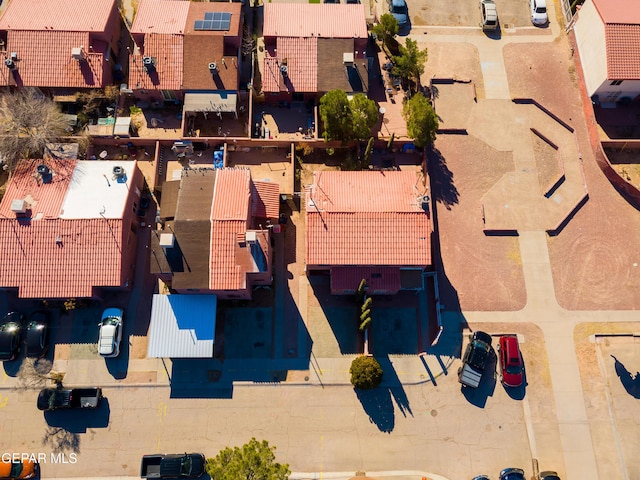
313	48
68	228
371	225
187	52
59	44
608	39
218	241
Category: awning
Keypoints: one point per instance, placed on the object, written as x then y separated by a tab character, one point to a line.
122	127
182	326
221	101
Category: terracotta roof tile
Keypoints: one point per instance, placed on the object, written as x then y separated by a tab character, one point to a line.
161	16
323	20
199	51
301	55
366	218
265	199
198	9
44	200
41	268
378	278
167	50
232	194
225	272
623	51
618	11
60	15
44	60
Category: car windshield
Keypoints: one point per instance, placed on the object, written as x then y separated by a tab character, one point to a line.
10	327
513	369
399	9
186	465
541	10
110	321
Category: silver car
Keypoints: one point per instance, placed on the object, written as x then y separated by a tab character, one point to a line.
110	332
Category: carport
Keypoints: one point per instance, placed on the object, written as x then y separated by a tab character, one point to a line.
182	326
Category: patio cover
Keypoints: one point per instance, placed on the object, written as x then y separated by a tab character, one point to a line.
182	326
220	101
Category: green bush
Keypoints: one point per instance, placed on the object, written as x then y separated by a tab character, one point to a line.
366	373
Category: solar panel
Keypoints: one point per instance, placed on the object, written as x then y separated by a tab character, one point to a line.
214	21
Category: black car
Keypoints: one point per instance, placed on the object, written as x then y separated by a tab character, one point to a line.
10	335
512	474
37	334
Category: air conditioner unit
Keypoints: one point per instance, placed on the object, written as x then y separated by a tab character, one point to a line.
77	54
167	240
118	172
19	205
251	237
10	63
284	70
147	61
213	66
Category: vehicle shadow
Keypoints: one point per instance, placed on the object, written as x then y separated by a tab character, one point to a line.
79	420
518	393
631	383
478	396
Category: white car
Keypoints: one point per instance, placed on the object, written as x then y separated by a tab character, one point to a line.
110	332
539	15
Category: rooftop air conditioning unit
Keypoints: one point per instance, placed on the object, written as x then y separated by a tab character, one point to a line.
213	66
19	205
147	60
149	64
118	172
42	169
77	54
251	237
284	70
167	240
348	58
10	63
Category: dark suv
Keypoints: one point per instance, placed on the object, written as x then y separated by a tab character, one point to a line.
10	335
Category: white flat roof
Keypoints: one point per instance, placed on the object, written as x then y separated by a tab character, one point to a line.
182	326
95	191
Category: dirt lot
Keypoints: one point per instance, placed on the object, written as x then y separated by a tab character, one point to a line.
465	13
595	259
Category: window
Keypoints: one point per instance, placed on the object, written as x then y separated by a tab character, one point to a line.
615	83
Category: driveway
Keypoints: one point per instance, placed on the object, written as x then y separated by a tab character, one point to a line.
465	13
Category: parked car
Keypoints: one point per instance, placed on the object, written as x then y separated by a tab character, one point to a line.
488	15
18	469
10	335
510	360
539	15
474	359
110	332
58	398
512	474
37	334
190	465
548	475
399	10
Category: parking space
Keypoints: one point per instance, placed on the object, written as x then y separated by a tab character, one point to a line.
466	13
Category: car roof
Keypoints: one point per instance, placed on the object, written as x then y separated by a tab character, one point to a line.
480	335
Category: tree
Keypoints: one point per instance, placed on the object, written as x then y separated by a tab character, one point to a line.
335	113
387	29
364	115
366	372
422	121
410	63
366	158
28	122
254	461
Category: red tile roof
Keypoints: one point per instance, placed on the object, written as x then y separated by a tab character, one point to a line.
378	278
301	55
323	20
618	11
167	50
623	51
44	60
60	15
45	256
232	194
225	272
265	199
45	200
366	218
161	16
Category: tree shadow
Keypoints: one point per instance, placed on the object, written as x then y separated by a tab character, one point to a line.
378	405
61	440
393	384
631	383
443	189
